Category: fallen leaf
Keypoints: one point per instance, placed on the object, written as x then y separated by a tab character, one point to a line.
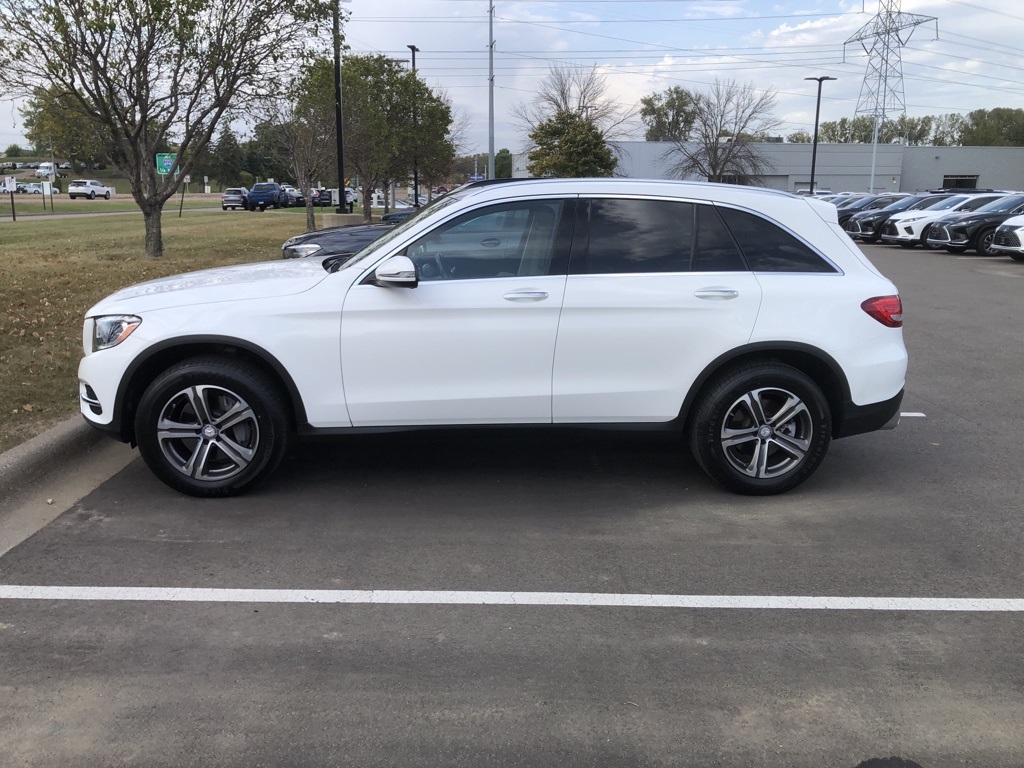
26	407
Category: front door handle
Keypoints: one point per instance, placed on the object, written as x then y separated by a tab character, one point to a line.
721	294
526	296
490	242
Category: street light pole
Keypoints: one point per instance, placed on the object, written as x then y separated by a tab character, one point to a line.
817	113
415	132
342	197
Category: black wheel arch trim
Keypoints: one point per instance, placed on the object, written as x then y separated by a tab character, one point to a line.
836	387
192	346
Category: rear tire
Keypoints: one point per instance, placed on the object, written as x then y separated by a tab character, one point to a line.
956	248
211	426
761	428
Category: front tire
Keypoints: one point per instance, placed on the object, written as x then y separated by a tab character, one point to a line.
212	427
92	195
106	195
983	243
761	429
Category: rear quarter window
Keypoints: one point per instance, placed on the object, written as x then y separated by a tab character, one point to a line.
769	248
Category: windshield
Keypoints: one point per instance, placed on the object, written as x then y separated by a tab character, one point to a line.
1002	205
949	202
900	205
371	249
859	202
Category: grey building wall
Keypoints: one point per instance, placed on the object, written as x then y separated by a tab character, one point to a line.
995	167
843	167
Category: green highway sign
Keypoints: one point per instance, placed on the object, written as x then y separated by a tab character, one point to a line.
164	161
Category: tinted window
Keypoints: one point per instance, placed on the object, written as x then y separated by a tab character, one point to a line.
716	251
1000	205
769	248
508	240
630	236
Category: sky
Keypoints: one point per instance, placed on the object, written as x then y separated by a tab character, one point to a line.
967	59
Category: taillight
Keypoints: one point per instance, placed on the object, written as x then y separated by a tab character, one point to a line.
888	310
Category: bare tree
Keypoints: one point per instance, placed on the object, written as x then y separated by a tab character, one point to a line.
148	73
577	90
303	120
730	119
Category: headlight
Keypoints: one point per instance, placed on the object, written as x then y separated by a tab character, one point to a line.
300	251
912	218
110	330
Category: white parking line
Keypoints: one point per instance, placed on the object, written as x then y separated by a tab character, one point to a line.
912	414
580	599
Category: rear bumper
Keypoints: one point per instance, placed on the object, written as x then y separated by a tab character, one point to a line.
858	419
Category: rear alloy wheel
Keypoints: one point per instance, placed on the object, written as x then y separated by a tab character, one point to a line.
212	427
761	429
983	243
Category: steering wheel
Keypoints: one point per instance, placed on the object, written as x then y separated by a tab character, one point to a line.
431	266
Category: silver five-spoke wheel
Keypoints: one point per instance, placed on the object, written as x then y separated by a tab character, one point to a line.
213	426
208	432
767	432
761	427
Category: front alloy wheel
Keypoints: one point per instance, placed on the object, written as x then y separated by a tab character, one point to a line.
761	429
211	426
984	242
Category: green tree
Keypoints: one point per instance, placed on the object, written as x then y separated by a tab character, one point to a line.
55	123
503	164
668	115
948	130
570	146
435	150
858	130
226	159
303	130
729	119
915	131
14	150
147	72
380	138
999	127
800	137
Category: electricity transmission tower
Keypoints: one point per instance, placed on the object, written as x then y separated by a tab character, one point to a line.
881	92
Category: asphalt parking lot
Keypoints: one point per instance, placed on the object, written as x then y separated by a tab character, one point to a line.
400	631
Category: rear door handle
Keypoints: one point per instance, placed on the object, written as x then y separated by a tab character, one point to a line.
526	296
721	294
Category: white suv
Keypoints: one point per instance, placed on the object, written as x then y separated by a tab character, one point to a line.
744	318
909	228
89	188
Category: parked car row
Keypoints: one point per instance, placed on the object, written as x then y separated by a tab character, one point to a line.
954	220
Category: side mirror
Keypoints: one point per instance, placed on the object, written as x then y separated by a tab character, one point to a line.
397	272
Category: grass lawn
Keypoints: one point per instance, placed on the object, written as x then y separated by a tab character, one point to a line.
53	270
32	205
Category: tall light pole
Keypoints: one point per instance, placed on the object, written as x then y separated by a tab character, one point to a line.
342	197
817	113
415	131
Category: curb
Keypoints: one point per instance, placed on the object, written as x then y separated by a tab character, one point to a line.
26	463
